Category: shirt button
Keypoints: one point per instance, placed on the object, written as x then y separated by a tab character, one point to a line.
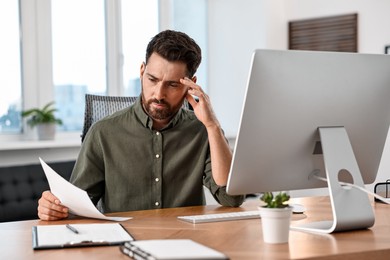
157	156
156	203
157	179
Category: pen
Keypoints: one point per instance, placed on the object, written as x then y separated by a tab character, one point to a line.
72	229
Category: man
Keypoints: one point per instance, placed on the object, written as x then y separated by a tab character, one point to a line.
155	154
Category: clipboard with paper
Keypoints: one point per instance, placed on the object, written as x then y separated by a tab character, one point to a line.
59	236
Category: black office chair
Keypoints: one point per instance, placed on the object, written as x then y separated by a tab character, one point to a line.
97	107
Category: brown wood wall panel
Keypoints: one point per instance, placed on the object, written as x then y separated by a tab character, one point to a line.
335	33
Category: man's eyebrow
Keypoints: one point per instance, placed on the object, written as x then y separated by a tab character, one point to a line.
168	81
150	75
174	82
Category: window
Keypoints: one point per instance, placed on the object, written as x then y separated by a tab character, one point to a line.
79	56
81	46
10	77
73	47
139	25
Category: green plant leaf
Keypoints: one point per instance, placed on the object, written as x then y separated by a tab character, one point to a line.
41	116
278	201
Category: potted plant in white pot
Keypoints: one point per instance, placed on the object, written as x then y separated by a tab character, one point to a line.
44	119
275	217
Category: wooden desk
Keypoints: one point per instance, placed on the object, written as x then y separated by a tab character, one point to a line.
237	239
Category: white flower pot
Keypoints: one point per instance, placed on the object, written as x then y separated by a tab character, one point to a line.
276	224
46	131
29	132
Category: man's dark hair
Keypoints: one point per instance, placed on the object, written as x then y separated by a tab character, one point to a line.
176	46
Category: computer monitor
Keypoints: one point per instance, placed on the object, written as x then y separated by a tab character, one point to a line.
300	105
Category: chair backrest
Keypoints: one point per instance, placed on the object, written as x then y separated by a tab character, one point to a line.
97	107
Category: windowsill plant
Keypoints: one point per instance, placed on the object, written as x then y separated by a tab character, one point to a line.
44	119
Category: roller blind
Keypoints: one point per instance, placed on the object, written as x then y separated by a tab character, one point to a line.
334	33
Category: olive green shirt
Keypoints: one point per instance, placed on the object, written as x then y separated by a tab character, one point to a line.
130	166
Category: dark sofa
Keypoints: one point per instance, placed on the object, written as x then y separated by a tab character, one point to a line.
21	186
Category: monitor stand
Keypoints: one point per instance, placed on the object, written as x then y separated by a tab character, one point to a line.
351	207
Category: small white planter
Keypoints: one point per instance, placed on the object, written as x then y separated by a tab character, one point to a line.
276	224
46	131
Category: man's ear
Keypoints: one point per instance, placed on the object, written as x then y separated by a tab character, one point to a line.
142	69
194	78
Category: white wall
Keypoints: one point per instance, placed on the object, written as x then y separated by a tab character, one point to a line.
373	18
237	27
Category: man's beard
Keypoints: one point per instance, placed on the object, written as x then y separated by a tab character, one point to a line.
158	114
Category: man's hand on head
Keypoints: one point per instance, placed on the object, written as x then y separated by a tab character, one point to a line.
202	108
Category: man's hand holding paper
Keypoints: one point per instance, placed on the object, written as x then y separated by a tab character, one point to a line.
72	197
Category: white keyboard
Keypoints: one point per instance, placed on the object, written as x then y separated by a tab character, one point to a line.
217	217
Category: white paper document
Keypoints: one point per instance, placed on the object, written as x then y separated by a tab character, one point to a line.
76	199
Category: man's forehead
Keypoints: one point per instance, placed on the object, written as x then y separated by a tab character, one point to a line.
158	64
165	74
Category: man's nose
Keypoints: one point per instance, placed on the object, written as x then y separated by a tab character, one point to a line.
159	92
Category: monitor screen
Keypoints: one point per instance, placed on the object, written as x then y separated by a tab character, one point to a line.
289	95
